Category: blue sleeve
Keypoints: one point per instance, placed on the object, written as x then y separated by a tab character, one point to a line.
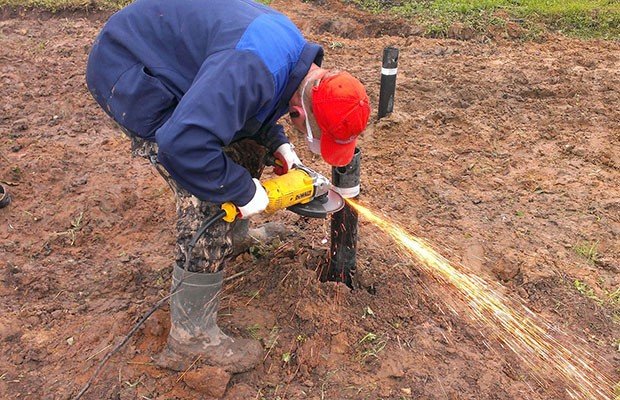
272	137
230	88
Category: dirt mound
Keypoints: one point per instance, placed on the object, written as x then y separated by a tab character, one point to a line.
504	156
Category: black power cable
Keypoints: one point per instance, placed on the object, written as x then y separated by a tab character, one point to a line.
201	231
190	246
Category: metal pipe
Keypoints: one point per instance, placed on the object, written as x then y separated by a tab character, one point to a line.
343	251
388	81
5	197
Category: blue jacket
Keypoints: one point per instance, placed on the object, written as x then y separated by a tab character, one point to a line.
197	75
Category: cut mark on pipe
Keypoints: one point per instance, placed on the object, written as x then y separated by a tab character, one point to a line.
348	193
389	71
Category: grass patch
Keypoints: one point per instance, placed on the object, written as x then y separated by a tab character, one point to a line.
585	290
605	297
369	347
588	251
579	18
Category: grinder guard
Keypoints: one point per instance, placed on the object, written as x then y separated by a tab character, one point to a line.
321	206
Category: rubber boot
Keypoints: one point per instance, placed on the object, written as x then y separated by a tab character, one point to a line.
245	237
193	327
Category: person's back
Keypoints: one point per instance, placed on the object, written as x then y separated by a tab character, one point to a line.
178	41
172	38
198	75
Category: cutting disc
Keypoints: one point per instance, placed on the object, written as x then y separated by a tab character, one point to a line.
320	207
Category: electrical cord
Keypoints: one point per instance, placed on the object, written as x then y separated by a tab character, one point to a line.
173	291
201	231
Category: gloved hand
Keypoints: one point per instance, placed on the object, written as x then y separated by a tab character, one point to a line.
258	203
287	157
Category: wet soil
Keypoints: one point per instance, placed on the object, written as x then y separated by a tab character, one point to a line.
502	154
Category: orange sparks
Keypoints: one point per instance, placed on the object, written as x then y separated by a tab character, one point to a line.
526	334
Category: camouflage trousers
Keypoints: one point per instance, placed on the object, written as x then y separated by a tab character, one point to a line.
215	246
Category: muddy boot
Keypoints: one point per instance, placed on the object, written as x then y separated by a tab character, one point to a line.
244	237
194	332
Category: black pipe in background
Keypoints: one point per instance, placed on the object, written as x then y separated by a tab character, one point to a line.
388	81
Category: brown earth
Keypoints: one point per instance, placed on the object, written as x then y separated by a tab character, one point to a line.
504	154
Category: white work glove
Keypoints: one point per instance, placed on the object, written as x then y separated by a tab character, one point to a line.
285	153
258	203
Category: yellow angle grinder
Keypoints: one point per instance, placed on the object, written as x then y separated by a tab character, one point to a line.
301	190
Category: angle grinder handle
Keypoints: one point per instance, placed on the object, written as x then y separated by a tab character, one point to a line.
271	161
231	211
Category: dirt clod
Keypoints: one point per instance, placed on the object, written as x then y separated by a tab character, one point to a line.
211	381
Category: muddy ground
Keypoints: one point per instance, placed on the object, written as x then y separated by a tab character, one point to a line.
504	154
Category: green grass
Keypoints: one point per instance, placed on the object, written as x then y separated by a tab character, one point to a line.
579	18
588	251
